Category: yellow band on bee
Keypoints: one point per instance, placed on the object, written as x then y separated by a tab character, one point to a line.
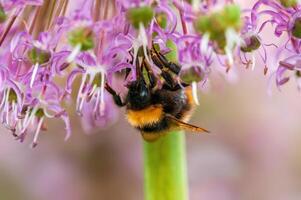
149	115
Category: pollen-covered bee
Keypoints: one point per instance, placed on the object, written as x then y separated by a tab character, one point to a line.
156	110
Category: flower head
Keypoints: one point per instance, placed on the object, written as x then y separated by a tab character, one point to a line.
50	58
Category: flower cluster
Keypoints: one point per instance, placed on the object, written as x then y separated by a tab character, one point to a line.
54	52
285	18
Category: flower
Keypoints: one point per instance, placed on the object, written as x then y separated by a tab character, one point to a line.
44	52
285	16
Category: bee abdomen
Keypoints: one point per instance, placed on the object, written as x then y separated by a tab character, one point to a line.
145	117
160	126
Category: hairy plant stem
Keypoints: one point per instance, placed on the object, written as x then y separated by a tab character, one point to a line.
165	174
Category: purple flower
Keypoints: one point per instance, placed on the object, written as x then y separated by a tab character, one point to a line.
12	4
91	118
45	52
286	20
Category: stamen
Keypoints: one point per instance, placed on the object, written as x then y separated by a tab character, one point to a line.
19	124
22	136
30	118
229	56
7	114
135	48
232	39
253	61
81	95
92	92
10	115
80	104
14	117
26	117
204	44
2	117
4	98
143	38
102	87
23	127
96	106
6	107
15	110
34	73
298	80
265	70
36	135
194	86
73	54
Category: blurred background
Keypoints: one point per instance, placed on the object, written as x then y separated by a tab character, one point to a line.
254	151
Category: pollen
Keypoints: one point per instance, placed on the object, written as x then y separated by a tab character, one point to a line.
149	115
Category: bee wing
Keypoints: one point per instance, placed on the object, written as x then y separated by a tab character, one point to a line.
185	125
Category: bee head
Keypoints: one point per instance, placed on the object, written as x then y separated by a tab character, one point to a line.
139	95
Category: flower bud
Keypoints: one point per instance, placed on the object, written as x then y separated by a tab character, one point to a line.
288	3
140	15
40	113
12	96
97	79
161	18
217	23
83	37
2	14
192	74
231	16
252	43
172	56
296	31
39	56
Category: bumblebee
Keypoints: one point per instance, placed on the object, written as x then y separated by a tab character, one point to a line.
157	110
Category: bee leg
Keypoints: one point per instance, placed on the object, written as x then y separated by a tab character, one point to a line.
175	88
171	83
168	78
175	68
116	97
162	62
152	80
159	62
151	76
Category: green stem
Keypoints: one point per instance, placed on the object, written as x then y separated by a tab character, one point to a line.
165	171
